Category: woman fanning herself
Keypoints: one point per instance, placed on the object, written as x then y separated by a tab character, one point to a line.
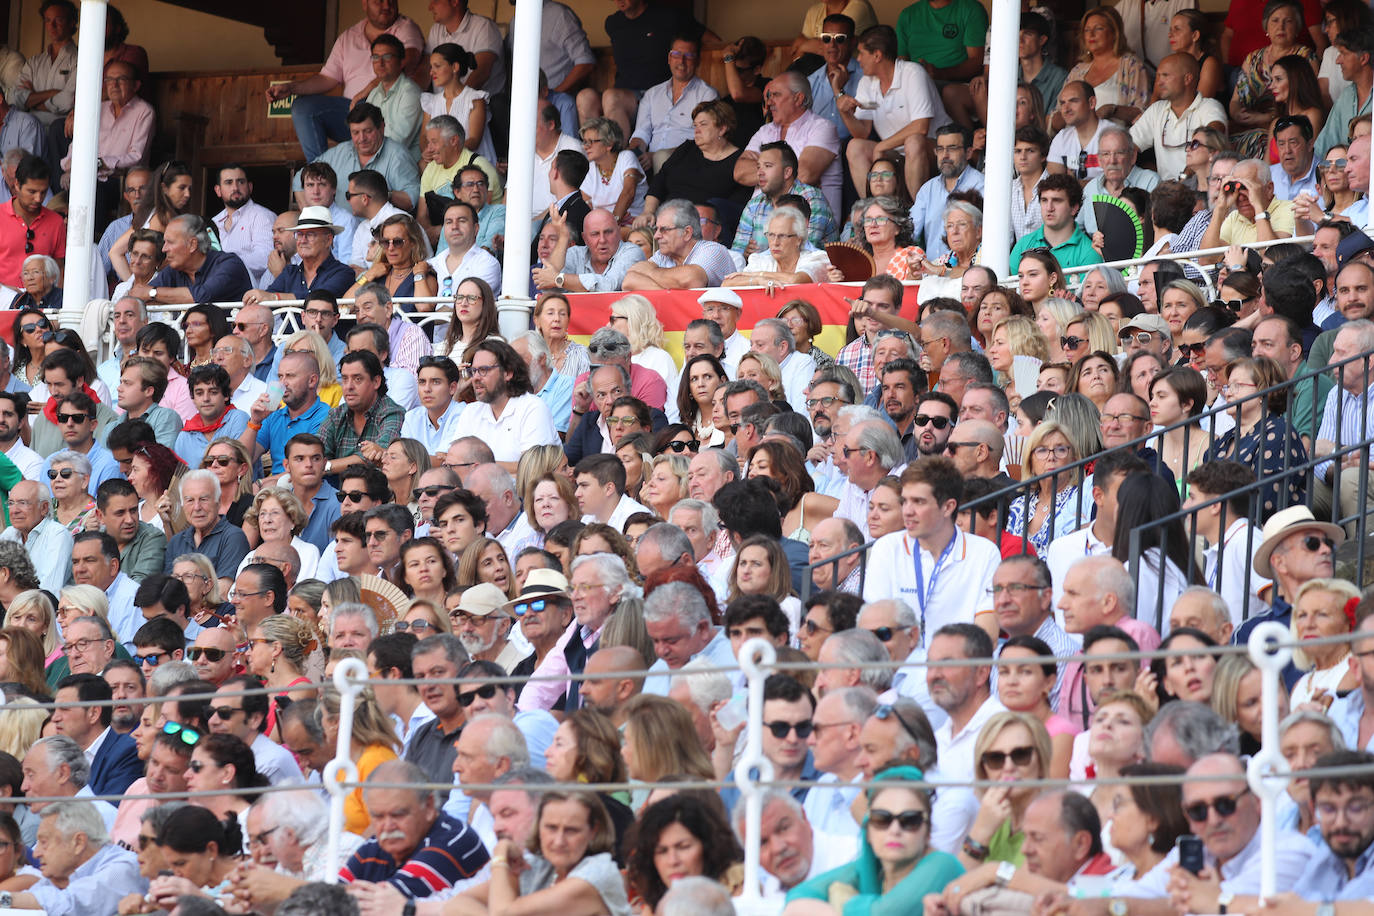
887	236
784	262
896	867
1024	685
399	263
568	870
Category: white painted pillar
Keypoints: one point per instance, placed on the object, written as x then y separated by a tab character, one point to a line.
1005	34
515	304
90	67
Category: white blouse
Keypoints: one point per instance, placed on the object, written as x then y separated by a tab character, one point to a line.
432	104
605	192
813	263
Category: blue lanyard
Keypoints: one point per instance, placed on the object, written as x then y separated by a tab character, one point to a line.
924	594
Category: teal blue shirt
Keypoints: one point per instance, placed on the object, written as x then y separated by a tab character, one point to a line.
1076	252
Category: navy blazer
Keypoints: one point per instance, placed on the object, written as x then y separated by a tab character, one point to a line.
116	765
586	439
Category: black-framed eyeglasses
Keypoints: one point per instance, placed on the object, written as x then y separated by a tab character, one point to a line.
225	712
677	445
813	403
214	655
884	634
437	489
1224	806
923	420
1196	349
812	628
780	729
28	242
64	473
353	496
1313	543
850	451
151	659
486	692
1072	342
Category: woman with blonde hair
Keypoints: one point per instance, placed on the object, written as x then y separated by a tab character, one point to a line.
21	725
403	461
762	368
276	517
1013	337
197	573
330	391
1012	748
760	568
665	483
1324	608
21	660
1119	79
228	460
634	316
374	743
538	460
485	560
660	740
279	647
1094	329
33	611
398	262
549	500
81	601
1052	508
1237	685
1052	317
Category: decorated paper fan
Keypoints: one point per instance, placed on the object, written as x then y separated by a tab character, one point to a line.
851	260
1121	228
387	601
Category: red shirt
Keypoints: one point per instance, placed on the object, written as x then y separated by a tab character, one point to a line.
49	237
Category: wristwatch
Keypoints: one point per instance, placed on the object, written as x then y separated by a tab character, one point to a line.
1262	215
152	292
1118	907
1326	909
409	908
1005	872
6	900
329	467
558	279
1224	899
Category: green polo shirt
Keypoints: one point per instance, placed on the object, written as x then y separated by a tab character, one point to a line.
1076	252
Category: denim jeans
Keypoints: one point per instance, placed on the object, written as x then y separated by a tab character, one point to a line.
319	119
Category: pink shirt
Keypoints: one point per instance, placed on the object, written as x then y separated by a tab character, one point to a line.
130	814
1072	695
123	139
178	395
540	694
350	60
809	130
645	384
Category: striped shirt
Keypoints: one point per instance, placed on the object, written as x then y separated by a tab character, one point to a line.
1356	421
448	857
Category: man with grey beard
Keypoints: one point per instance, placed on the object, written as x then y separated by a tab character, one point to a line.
482	625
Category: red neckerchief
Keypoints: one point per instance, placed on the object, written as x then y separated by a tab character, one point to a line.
197	425
50	408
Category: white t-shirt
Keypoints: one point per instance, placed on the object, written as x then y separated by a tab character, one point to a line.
433	104
1065	149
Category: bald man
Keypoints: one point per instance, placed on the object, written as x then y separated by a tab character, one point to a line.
608	696
976	447
1180	112
283	247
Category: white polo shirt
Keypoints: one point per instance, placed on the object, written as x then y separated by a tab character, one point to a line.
956	595
524	423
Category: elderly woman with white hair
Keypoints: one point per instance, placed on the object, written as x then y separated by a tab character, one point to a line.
785	262
1099	283
69	478
634	316
40	276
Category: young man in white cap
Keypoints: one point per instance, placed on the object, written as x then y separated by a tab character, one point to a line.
318	268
